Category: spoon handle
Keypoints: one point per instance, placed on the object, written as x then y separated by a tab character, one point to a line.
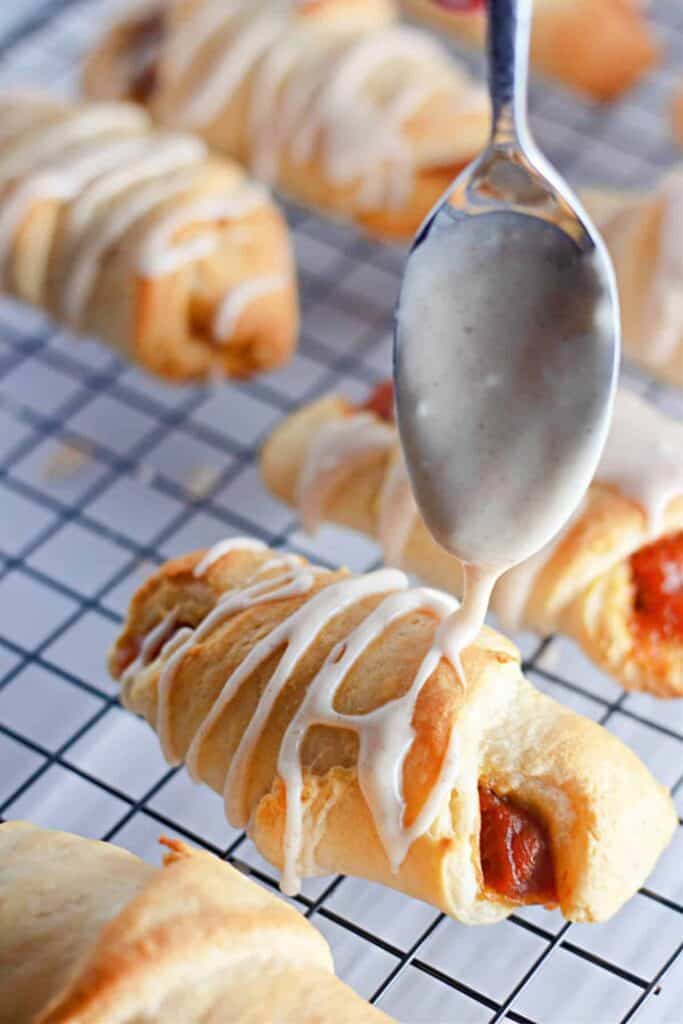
509	29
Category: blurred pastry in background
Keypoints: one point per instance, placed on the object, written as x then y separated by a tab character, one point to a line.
90	933
334	102
598	47
141	238
644	234
612	580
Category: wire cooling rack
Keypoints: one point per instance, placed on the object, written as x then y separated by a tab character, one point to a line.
105	473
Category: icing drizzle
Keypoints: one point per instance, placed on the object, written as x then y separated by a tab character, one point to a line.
643	459
385	734
336	84
105	162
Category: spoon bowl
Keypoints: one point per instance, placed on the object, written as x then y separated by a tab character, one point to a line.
507	338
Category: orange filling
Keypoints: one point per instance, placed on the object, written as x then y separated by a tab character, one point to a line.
515	852
381	401
657	574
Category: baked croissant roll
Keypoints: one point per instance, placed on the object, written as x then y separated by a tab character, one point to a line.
321	706
643	233
91	934
599	47
171	256
612	580
332	101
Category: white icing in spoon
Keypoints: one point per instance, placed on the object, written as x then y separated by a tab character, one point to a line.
502	358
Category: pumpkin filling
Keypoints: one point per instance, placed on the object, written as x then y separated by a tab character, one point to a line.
657	575
515	851
381	402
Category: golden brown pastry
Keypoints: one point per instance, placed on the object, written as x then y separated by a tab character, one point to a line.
599	47
613	580
643	232
332	101
172	257
90	934
321	705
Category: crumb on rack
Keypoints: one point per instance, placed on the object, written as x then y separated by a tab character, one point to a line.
66	461
201	481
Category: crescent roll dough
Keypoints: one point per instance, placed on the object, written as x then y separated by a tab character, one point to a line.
90	934
599	47
332	101
321	705
613	580
643	233
172	257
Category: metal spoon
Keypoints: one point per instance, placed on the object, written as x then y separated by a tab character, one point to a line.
507	337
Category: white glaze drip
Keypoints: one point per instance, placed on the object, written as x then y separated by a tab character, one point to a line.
338	447
385	737
41	146
239	299
160	155
224	547
160	255
89	255
111	172
293	580
210	19
63	181
229	72
385	734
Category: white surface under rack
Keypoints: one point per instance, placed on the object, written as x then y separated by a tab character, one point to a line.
163	471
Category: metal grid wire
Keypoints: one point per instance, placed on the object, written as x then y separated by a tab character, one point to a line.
72	550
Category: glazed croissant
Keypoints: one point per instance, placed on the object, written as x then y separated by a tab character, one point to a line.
613	580
172	257
91	934
599	47
643	233
321	705
332	101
